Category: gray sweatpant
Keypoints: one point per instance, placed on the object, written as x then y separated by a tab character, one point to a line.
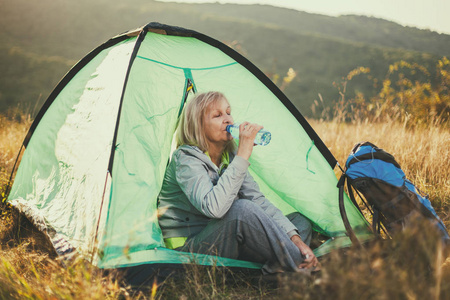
246	232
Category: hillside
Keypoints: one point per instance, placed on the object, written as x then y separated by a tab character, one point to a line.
350	28
46	37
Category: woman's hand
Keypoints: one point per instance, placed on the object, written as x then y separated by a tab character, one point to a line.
247	134
310	261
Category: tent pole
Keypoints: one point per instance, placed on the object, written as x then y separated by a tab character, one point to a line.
130	64
100	215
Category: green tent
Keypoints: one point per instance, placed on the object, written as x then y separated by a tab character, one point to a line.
96	154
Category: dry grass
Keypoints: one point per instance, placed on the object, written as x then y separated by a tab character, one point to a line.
33	275
12	133
409	267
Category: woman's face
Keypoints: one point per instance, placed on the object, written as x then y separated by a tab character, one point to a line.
216	119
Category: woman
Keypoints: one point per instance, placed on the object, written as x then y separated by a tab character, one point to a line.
210	204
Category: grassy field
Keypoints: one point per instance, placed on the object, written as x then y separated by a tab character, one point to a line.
411	266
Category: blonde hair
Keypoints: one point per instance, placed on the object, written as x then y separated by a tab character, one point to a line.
191	127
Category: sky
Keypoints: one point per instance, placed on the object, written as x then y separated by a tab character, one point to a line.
423	14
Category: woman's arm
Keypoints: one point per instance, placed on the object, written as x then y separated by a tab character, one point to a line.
213	201
250	189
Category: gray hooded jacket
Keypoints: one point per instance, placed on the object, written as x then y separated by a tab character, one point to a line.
193	192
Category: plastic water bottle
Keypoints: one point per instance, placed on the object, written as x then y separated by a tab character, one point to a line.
262	138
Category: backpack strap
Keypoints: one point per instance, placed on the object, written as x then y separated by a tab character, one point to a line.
351	234
352	195
376	221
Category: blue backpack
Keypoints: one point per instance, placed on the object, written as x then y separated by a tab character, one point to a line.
392	199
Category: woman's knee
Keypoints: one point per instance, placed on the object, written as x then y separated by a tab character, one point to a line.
243	208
